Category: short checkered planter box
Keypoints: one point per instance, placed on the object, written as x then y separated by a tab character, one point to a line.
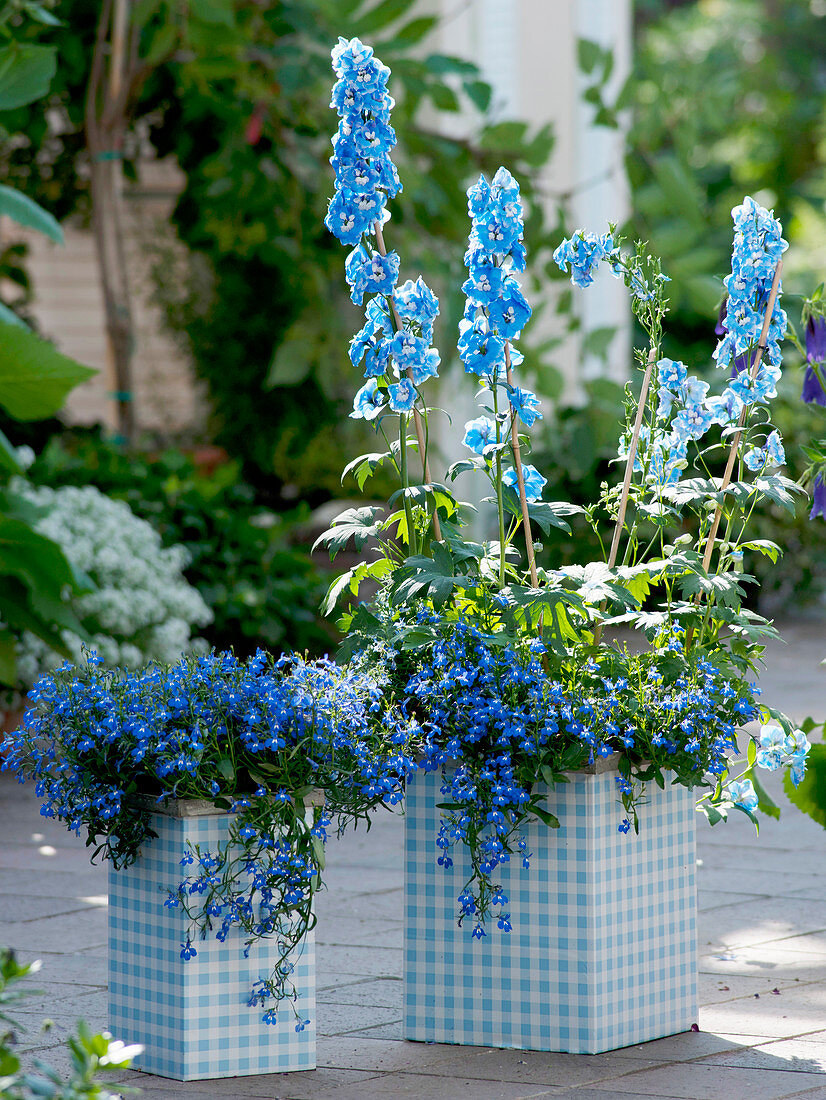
192	1016
603	949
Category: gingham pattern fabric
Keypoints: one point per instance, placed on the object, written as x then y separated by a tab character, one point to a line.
192	1016
603	948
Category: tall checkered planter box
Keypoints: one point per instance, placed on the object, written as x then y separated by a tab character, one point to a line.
603	948
192	1017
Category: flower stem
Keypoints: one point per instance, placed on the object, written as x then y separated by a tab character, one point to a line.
500	507
417	420
735	440
408	509
629	472
520	479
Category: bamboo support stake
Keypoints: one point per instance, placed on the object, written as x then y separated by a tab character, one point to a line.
735	441
629	472
417	420
520	478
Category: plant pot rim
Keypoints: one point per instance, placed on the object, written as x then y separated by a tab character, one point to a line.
205	807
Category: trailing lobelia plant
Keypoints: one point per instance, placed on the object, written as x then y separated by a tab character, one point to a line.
510	675
107	748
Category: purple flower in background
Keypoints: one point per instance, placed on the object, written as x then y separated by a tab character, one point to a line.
813	392
818	498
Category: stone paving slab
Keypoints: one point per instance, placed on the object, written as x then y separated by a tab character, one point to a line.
763	927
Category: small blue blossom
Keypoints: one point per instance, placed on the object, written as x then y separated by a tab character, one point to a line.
743	794
534	481
369	402
479	434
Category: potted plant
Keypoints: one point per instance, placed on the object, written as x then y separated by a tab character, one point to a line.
560	759
210	786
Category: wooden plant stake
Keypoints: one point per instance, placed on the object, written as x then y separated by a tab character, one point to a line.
520	478
735	440
629	471
417	420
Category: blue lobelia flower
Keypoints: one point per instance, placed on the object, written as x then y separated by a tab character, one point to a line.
818	498
813	391
533	480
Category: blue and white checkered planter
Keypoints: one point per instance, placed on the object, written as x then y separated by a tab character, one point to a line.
192	1017
603	950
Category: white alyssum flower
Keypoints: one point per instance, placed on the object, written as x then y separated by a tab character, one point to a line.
143	606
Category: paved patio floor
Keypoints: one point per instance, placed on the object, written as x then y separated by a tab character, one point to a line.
762	944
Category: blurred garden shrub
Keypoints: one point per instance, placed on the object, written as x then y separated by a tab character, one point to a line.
261	588
236	91
90	1054
138	606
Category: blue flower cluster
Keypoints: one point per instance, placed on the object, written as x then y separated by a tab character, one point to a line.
365	174
395	342
772	453
782	750
742	793
495	313
758	247
583	252
104	746
493	719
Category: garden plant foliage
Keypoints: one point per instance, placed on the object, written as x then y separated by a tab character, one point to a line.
91	1054
528	680
234	92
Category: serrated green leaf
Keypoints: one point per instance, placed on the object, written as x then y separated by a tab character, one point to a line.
420	575
358	524
765	547
365	466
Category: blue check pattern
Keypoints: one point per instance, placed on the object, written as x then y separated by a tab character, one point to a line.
603	950
192	1016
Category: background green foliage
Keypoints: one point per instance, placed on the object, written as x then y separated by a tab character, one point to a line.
247	561
729	99
237	95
